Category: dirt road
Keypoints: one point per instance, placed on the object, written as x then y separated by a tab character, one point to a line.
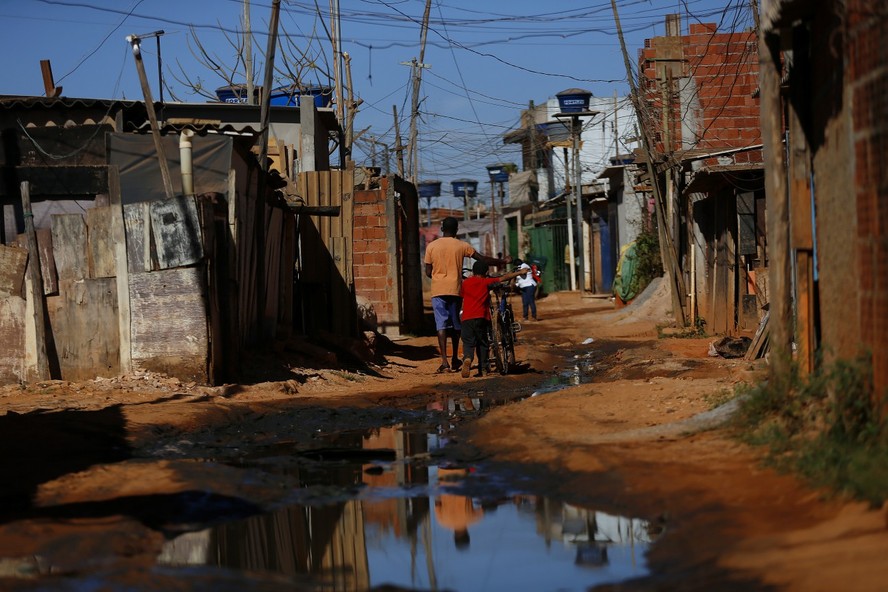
612	428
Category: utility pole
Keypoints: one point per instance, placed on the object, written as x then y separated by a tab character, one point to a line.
399	149
417	67
616	126
248	54
337	68
575	125
667	248
135	41
570	234
352	106
265	116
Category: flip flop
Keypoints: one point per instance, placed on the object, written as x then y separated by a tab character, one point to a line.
443	368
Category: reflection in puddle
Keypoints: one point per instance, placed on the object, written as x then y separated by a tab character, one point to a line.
415	526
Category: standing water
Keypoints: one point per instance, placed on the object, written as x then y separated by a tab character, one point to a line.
373	509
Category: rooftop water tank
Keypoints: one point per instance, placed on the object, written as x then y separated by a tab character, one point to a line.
464	187
429	189
573	100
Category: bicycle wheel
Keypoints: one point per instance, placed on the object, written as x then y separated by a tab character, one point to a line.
497	345
508	337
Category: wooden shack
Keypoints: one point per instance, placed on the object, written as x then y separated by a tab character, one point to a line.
132	278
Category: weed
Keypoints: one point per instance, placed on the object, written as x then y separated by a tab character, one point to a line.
719	398
347	375
825	426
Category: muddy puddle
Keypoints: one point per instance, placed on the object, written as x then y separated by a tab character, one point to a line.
369	498
375	508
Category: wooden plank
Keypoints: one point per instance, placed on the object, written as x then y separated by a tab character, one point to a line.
13	262
169	322
134	225
760	339
47	261
84	319
348	223
34	286
273	265
215	294
324	197
232	286
12	336
175	228
287	269
805	341
100	243
340	293
121	272
780	264
70	246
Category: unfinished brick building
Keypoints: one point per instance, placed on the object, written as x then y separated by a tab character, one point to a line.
701	112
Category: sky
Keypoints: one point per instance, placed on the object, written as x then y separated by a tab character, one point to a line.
487	59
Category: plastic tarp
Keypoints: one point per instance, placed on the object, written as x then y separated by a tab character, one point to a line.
140	178
523	188
626	280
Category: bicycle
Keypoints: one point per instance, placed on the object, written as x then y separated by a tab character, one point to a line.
503	330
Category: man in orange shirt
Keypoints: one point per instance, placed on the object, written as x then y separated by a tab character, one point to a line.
443	264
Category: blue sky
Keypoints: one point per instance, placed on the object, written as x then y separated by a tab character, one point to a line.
488	58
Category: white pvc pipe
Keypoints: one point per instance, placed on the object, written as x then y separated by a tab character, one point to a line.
185	158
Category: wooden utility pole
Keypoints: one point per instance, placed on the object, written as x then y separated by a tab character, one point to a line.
777	203
35	284
399	149
414	107
135	41
265	126
667	248
352	106
337	68
616	126
248	54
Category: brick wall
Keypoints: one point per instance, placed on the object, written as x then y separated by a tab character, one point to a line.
373	257
868	80
714	78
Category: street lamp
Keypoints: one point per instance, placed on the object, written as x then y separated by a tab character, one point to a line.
428	190
574	103
499	173
466	188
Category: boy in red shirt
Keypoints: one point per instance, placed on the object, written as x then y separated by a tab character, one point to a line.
475	293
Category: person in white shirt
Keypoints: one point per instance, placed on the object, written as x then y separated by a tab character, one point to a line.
527	285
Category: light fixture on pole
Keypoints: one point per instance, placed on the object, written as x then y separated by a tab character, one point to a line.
574	103
465	188
428	190
499	174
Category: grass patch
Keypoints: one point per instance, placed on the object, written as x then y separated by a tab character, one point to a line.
351	377
826	427
719	398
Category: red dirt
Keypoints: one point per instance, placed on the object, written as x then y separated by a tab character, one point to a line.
611	443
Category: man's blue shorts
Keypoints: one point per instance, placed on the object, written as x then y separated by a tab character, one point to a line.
446	309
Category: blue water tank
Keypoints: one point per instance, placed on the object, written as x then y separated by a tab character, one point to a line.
291	97
464	187
573	100
499	173
280	97
429	189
